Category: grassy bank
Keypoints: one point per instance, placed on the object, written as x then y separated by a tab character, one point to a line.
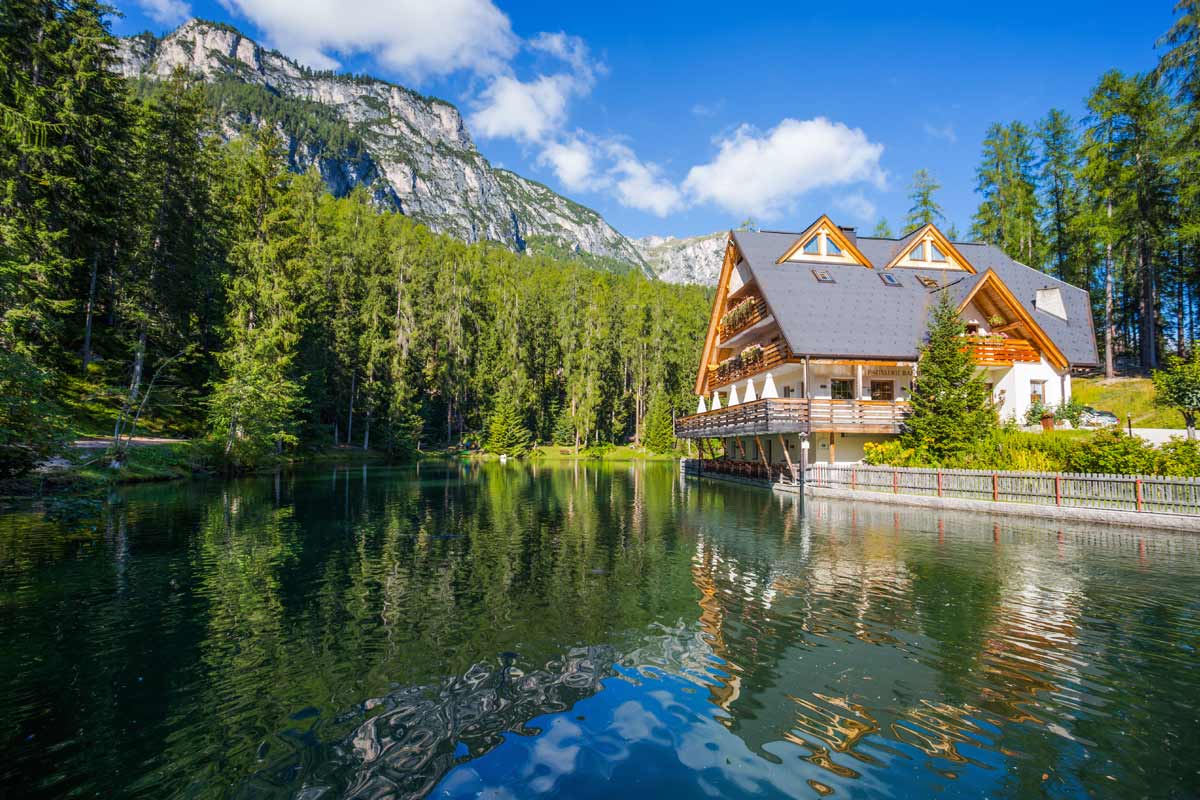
1124	397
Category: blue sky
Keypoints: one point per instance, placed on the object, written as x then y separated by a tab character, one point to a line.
686	118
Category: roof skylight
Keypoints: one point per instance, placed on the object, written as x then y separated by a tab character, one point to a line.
889	279
823	276
927	282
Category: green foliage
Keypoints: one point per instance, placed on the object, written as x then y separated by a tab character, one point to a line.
1070	411
1180	457
1114	453
924	209
893	452
660	430
1008	215
950	400
507	434
882	229
1178	386
1037	409
31	428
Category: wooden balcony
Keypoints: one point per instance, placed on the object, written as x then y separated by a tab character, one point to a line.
755	313
737	368
996	351
795	415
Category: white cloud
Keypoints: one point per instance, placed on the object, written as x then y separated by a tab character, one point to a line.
166	12
761	174
573	161
413	37
640	184
534	111
946	132
528	112
708	109
856	205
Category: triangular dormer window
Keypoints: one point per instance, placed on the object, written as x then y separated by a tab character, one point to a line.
917	253
927	248
813	246
824	241
831	248
935	254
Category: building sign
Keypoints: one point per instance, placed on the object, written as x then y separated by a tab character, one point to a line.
894	372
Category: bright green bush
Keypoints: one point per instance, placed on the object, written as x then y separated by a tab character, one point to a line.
893	453
1178	457
1112	452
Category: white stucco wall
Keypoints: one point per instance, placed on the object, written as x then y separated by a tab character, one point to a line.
1012	385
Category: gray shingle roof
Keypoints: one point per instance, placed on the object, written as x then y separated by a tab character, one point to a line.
860	316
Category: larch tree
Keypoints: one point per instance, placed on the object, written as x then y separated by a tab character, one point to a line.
924	209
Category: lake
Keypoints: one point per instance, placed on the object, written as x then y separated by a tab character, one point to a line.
585	630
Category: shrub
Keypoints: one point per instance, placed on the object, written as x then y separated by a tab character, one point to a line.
1035	413
1112	452
893	453
1071	411
1179	457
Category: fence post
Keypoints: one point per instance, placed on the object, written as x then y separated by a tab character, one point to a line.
939	474
895	482
1138	485
995	487
853	478
1058	490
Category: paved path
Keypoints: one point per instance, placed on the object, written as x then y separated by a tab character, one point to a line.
1158	435
136	441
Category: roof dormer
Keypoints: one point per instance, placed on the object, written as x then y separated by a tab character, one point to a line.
927	248
827	243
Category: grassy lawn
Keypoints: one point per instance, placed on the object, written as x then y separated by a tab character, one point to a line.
550	452
1124	396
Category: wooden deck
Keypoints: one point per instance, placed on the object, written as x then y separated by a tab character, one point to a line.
795	415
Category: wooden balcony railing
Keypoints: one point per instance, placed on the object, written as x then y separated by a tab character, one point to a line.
996	351
733	323
795	415
736	368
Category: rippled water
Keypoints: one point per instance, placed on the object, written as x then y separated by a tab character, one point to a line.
585	631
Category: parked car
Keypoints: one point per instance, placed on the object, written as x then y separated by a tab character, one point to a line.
1094	418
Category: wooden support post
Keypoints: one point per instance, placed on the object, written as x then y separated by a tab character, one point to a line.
832	436
995	487
1138	487
1058	490
858	383
741	450
762	455
853	478
895	482
939	474
788	457
807	386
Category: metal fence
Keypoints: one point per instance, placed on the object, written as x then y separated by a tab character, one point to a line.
1142	493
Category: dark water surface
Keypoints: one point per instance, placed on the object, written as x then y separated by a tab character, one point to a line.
585	631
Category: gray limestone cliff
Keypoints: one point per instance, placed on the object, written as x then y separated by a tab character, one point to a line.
696	259
411	151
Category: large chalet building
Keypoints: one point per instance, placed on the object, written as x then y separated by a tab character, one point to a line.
814	339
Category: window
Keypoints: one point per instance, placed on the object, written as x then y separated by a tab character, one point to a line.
831	249
823	276
1037	392
935	254
787	391
917	253
883	390
889	279
927	282
972	328
842	388
813	246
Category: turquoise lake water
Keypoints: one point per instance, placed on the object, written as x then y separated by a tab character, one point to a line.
585	630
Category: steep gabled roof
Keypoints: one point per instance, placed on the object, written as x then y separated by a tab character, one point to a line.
859	316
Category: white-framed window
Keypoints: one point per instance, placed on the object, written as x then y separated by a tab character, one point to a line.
1037	392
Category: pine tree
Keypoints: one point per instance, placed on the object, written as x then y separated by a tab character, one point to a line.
950	409
256	405
660	432
1060	195
1008	213
507	434
924	209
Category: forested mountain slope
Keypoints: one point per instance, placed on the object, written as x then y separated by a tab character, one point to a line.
412	152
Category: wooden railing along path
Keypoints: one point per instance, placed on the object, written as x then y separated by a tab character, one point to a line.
1141	493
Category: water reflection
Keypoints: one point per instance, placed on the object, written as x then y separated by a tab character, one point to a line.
523	631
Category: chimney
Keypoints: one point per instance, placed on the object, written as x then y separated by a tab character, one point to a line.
849	234
1049	299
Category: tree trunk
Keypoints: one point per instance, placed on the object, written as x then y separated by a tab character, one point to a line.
1109	371
91	304
367	433
135	386
1147	335
350	415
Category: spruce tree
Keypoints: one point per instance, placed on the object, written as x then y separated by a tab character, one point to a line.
882	229
950	409
924	209
660	432
507	434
